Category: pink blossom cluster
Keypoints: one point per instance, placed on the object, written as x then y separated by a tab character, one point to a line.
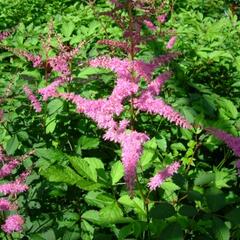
171	42
102	111
34	101
13	223
231	141
160	177
4	35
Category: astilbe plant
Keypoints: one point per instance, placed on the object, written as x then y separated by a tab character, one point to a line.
129	71
14	222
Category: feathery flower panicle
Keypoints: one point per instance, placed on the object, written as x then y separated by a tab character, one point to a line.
13	188
155	86
145	70
231	141
6	205
8	168
4	35
132	145
171	42
121	67
34	101
13	223
114	43
51	90
159	178
148	104
162	18
150	25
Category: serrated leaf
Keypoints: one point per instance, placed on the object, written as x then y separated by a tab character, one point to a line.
88	185
55	106
233	216
162	211
60	174
169	186
12	145
229	107
187	210
98	199
148	153
68	28
136	203
221	231
215	199
111	214
84	168
86	142
91	216
204	178
117	172
173	231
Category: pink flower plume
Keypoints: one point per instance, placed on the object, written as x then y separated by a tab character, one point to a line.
159	178
35	103
13	223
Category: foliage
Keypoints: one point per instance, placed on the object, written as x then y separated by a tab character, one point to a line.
76	187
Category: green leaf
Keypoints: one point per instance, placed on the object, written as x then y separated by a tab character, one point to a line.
111	214
135	203
162	211
98	199
68	28
178	147
233	216
187	210
204	178
12	145
117	172
51	124
85	142
84	168
148	153
221	231
173	231
88	185
55	106
215	199
95	163
229	107
162	144
60	174
169	186
91	216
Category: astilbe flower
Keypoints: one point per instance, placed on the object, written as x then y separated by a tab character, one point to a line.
171	42
162	18
4	35
128	74
32	98
150	25
13	223
160	177
6	205
231	141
